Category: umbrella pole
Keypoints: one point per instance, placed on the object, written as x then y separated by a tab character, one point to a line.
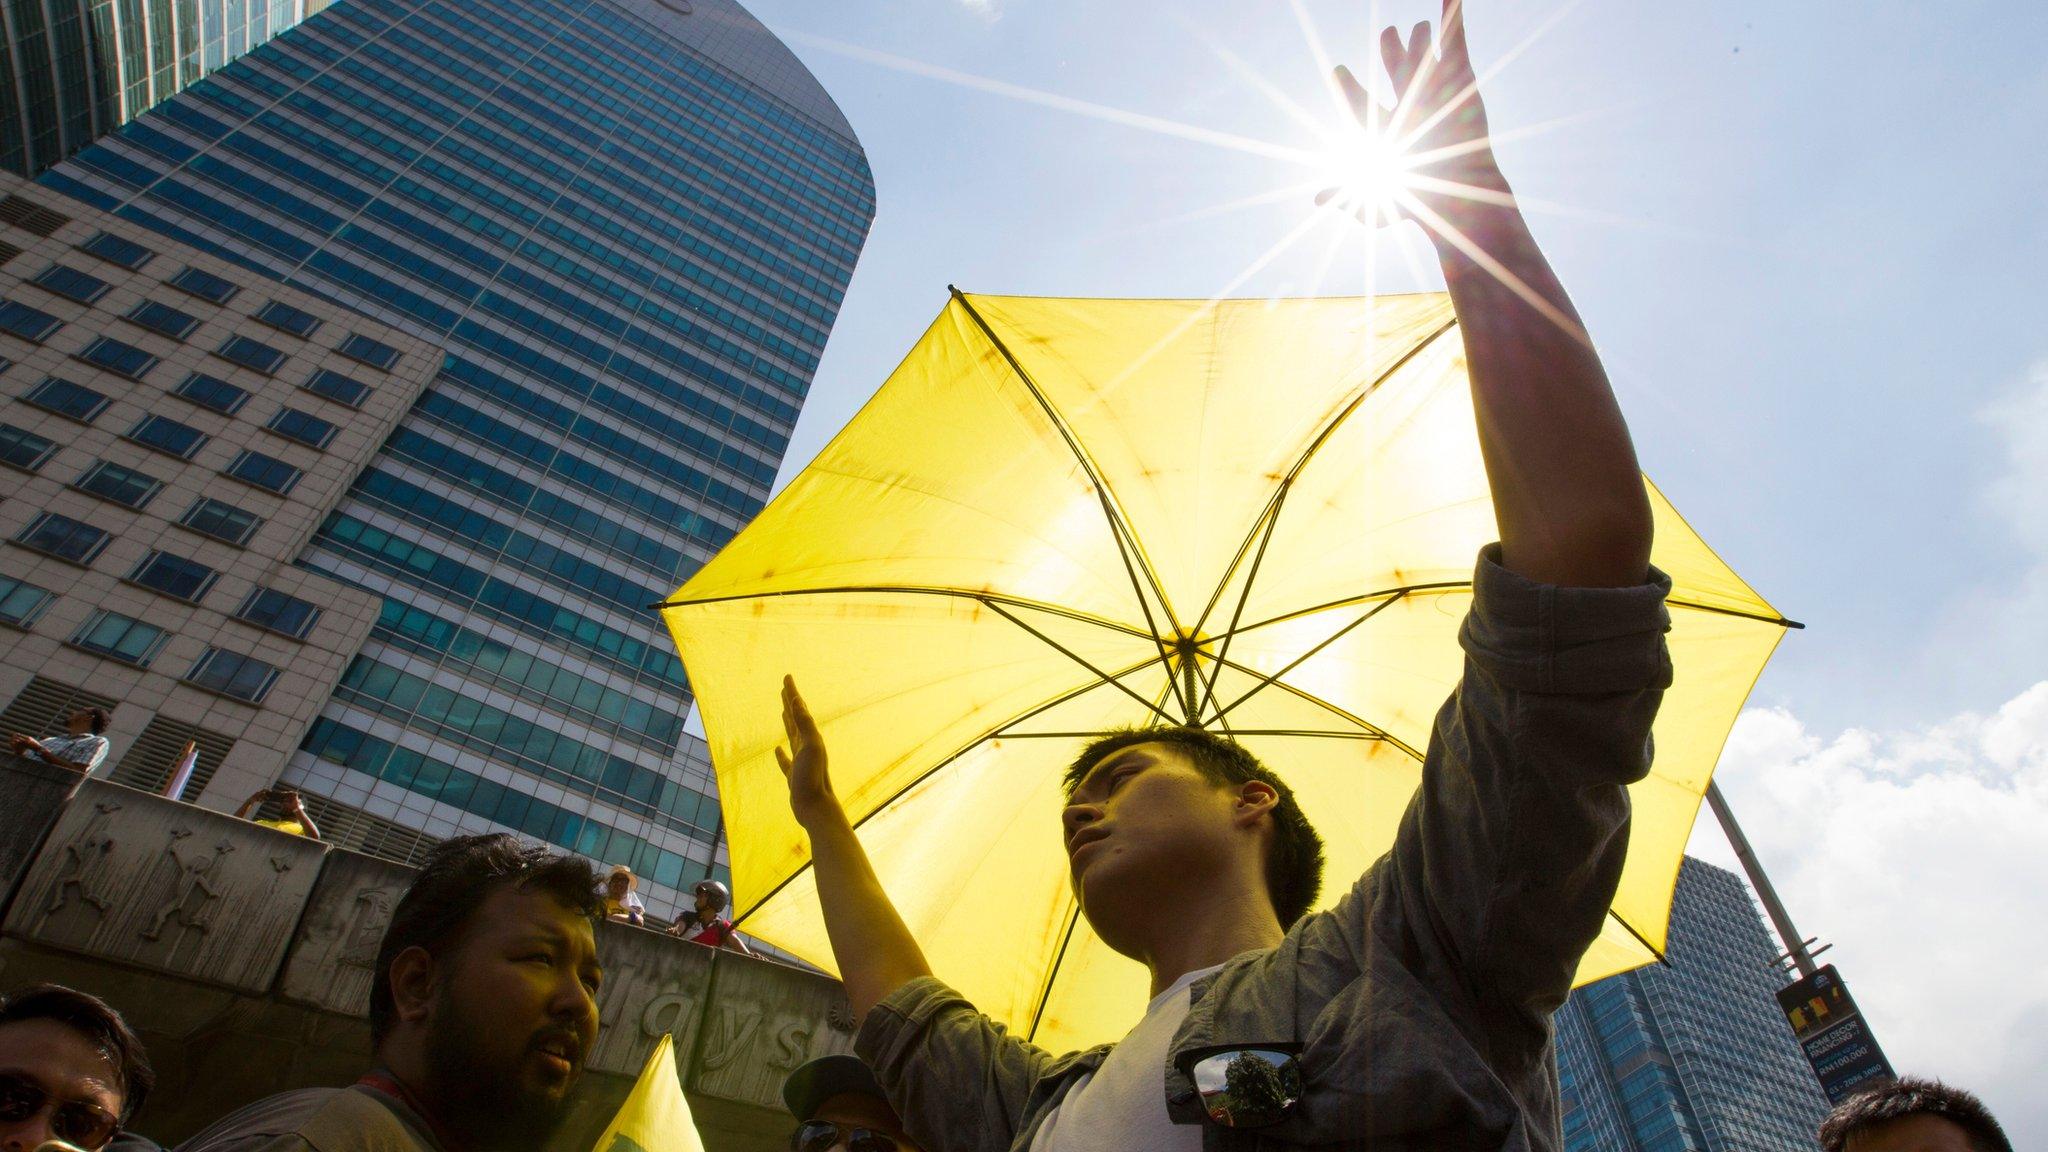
1795	944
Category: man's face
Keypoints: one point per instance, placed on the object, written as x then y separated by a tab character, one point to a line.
1921	1133
78	723
514	1015
1143	824
66	1066
703	903
618	885
852	1110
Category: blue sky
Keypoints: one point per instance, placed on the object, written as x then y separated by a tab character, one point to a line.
1808	240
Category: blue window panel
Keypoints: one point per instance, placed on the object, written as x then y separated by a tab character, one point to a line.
119	637
205	285
233	674
117	357
64	538
163	319
167	436
364	350
265	472
212	392
303	427
119	483
254	355
338	388
220	520
70	283
21	603
116	250
20	448
73	401
31	324
174	576
286	318
279	612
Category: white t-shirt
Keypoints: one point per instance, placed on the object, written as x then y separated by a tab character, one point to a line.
1121	1106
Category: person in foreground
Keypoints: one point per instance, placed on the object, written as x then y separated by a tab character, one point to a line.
1912	1115
70	1069
1415	1013
840	1108
482	1008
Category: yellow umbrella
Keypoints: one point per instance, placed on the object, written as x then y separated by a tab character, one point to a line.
1062	516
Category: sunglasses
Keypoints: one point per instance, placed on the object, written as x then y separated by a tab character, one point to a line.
818	1135
73	1121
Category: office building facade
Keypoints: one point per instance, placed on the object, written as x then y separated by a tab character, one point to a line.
173	429
78	69
1691	1055
630	223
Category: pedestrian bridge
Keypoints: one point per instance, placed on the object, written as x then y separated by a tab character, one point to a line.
243	957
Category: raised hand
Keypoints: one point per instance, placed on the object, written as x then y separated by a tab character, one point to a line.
804	762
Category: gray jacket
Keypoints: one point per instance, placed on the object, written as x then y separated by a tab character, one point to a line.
1421	1003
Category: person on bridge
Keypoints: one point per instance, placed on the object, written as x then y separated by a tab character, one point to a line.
707	923
82	748
70	1069
483	1006
1415	1012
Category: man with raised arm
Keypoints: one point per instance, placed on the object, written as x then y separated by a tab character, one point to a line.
1415	1012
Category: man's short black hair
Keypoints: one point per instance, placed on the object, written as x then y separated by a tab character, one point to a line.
99	718
1912	1096
99	1023
1294	860
458	876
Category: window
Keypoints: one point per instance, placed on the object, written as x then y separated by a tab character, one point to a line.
71	284
114	250
274	610
265	472
338	388
232	674
368	351
110	481
116	357
20	448
163	319
283	316
205	285
302	426
67	399
63	537
168	436
123	638
220	520
31	324
211	392
254	355
20	603
173	575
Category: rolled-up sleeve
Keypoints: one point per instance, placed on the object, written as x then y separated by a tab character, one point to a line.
960	1081
1509	856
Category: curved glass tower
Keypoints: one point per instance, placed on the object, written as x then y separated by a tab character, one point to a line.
75	69
630	223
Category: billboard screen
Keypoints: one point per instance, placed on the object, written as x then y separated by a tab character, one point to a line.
1838	1042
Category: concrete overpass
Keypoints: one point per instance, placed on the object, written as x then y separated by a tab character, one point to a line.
243	956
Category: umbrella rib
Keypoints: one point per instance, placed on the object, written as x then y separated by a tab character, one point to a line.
1319	732
1455	585
1272	522
1052	973
1374	731
1125	544
1099	674
919	590
1630	929
1339	634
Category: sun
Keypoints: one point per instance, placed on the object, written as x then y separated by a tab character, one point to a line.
1366	172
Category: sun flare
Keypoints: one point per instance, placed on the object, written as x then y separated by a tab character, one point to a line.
1366	172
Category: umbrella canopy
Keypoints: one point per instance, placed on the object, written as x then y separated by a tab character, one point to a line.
1064	516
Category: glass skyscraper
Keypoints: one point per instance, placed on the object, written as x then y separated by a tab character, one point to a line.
77	69
1691	1055
630	223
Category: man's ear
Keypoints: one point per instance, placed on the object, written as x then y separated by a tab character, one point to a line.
413	979
1255	799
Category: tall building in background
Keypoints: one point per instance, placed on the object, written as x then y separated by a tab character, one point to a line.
1692	1055
631	224
78	69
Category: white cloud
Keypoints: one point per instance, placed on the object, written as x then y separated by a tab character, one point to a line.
1923	855
990	10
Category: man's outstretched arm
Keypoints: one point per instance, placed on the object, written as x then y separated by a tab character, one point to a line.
1567	493
876	953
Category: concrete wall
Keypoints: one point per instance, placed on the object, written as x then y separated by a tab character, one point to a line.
243	956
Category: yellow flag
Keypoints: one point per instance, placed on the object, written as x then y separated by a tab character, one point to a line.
655	1116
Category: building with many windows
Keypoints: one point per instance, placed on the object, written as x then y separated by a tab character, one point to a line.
173	429
630	223
1691	1055
77	69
